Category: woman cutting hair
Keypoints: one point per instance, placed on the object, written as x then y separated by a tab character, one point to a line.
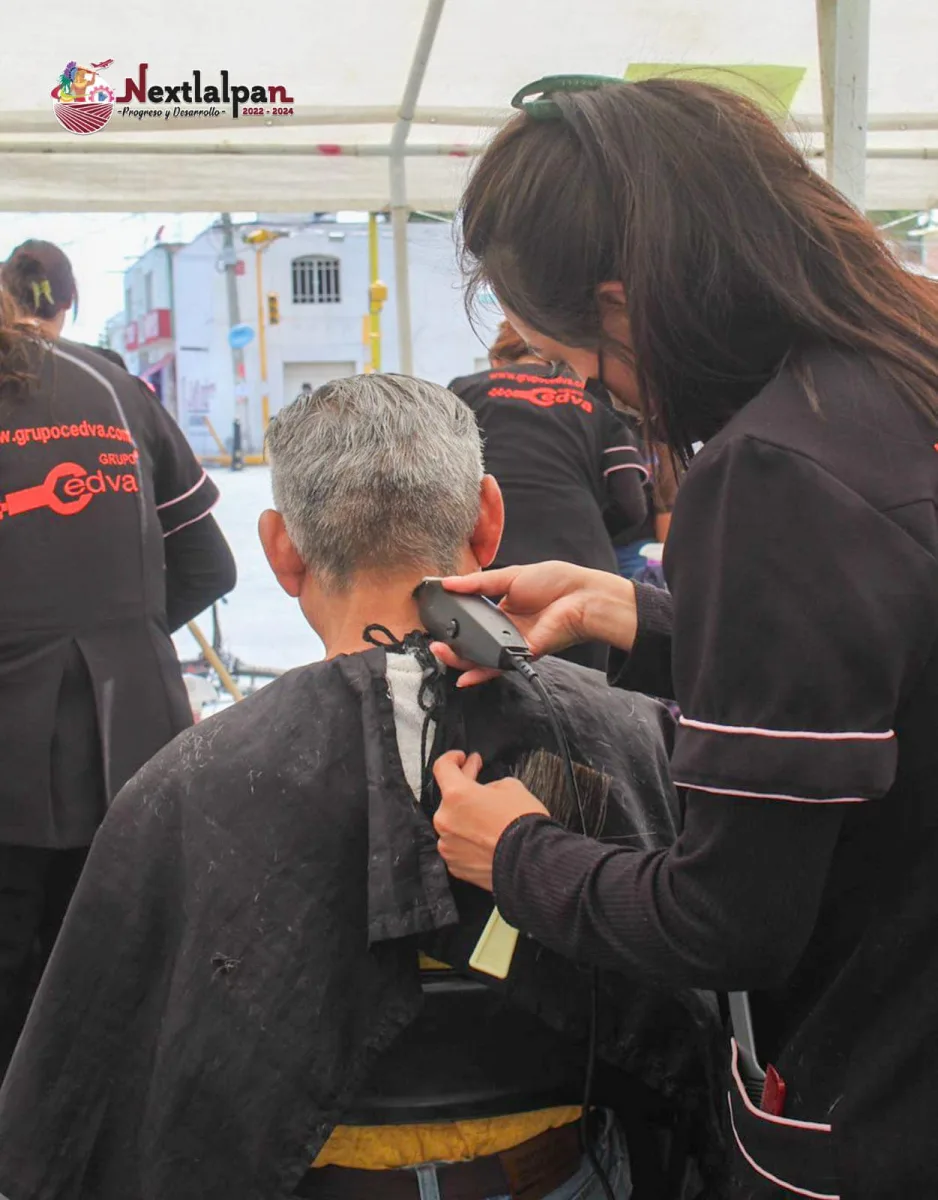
106	545
569	469
666	238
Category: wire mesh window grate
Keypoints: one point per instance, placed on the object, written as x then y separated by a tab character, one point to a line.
316	280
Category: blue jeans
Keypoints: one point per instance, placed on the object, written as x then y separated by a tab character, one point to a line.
634	565
613	1158
630	558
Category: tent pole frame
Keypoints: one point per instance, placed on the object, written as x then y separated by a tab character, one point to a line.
400	211
843	28
45	125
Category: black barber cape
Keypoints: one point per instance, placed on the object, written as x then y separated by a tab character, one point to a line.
242	946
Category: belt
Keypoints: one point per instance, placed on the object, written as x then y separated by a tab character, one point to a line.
527	1172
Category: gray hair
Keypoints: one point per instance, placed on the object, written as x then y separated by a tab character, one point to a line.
376	473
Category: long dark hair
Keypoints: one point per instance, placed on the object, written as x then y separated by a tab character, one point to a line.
17	345
734	255
39	277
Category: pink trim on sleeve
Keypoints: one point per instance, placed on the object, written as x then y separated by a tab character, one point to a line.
700	787
201	515
185	495
627	467
805	735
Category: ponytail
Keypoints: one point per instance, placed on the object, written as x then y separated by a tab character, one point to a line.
39	277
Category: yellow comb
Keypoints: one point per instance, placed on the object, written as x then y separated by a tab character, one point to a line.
495	948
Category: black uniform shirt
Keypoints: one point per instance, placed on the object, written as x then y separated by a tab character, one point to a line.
93	476
561	457
803	560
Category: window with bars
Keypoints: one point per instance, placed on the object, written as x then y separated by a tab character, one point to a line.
316	280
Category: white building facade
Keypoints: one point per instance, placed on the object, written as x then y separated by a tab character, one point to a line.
147	337
316	279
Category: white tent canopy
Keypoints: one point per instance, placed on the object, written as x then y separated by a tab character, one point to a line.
347	65
390	100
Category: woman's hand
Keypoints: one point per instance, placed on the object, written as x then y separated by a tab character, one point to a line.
473	816
554	605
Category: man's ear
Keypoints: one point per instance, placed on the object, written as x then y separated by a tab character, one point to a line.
284	560
487	535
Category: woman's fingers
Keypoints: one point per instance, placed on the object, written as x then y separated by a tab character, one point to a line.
472	816
475	676
471	675
554	605
446	654
472	766
454	768
483	583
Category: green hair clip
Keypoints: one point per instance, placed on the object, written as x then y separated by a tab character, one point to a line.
533	98
41	291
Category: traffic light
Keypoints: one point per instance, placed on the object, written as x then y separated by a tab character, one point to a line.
273	308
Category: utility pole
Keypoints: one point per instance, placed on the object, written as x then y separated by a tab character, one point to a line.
260	239
242	437
377	294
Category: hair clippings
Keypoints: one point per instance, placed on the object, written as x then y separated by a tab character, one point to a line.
533	98
42	291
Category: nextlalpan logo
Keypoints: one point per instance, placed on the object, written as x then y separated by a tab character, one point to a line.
83	102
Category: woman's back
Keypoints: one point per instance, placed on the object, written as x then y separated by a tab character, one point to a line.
93	475
823	521
105	546
559	455
79	530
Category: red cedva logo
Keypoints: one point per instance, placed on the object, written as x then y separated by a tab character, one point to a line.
83	101
78	489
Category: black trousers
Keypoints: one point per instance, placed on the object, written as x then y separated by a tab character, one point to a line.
36	886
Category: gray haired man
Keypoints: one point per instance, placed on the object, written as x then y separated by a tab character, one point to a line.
262	988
